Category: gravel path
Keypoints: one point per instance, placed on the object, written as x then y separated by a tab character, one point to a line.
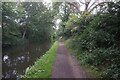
66	66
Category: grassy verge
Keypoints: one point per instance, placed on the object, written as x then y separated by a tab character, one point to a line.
91	70
43	66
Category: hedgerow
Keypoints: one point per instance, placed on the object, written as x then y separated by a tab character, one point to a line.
98	44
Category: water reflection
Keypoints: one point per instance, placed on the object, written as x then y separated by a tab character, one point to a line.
17	59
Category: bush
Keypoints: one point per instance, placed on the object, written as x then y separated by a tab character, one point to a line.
98	46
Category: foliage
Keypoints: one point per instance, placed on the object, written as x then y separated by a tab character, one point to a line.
29	21
98	43
11	34
43	66
40	19
73	19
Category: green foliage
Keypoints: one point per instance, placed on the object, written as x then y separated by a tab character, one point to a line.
43	66
73	19
29	21
98	43
11	34
40	22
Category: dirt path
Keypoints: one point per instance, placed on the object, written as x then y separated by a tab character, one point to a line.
66	66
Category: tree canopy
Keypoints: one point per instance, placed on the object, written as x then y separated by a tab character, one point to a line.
29	21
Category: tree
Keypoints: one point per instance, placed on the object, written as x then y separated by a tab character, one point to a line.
40	19
11	34
28	21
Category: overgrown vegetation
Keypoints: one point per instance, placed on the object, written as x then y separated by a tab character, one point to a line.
44	65
96	39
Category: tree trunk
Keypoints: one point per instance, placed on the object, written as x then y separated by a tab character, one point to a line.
24	33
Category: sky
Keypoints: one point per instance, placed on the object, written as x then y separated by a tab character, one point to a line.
58	20
57	23
82	7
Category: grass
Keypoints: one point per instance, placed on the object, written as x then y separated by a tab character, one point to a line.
91	70
42	68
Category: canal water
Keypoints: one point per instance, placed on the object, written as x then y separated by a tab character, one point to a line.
15	60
